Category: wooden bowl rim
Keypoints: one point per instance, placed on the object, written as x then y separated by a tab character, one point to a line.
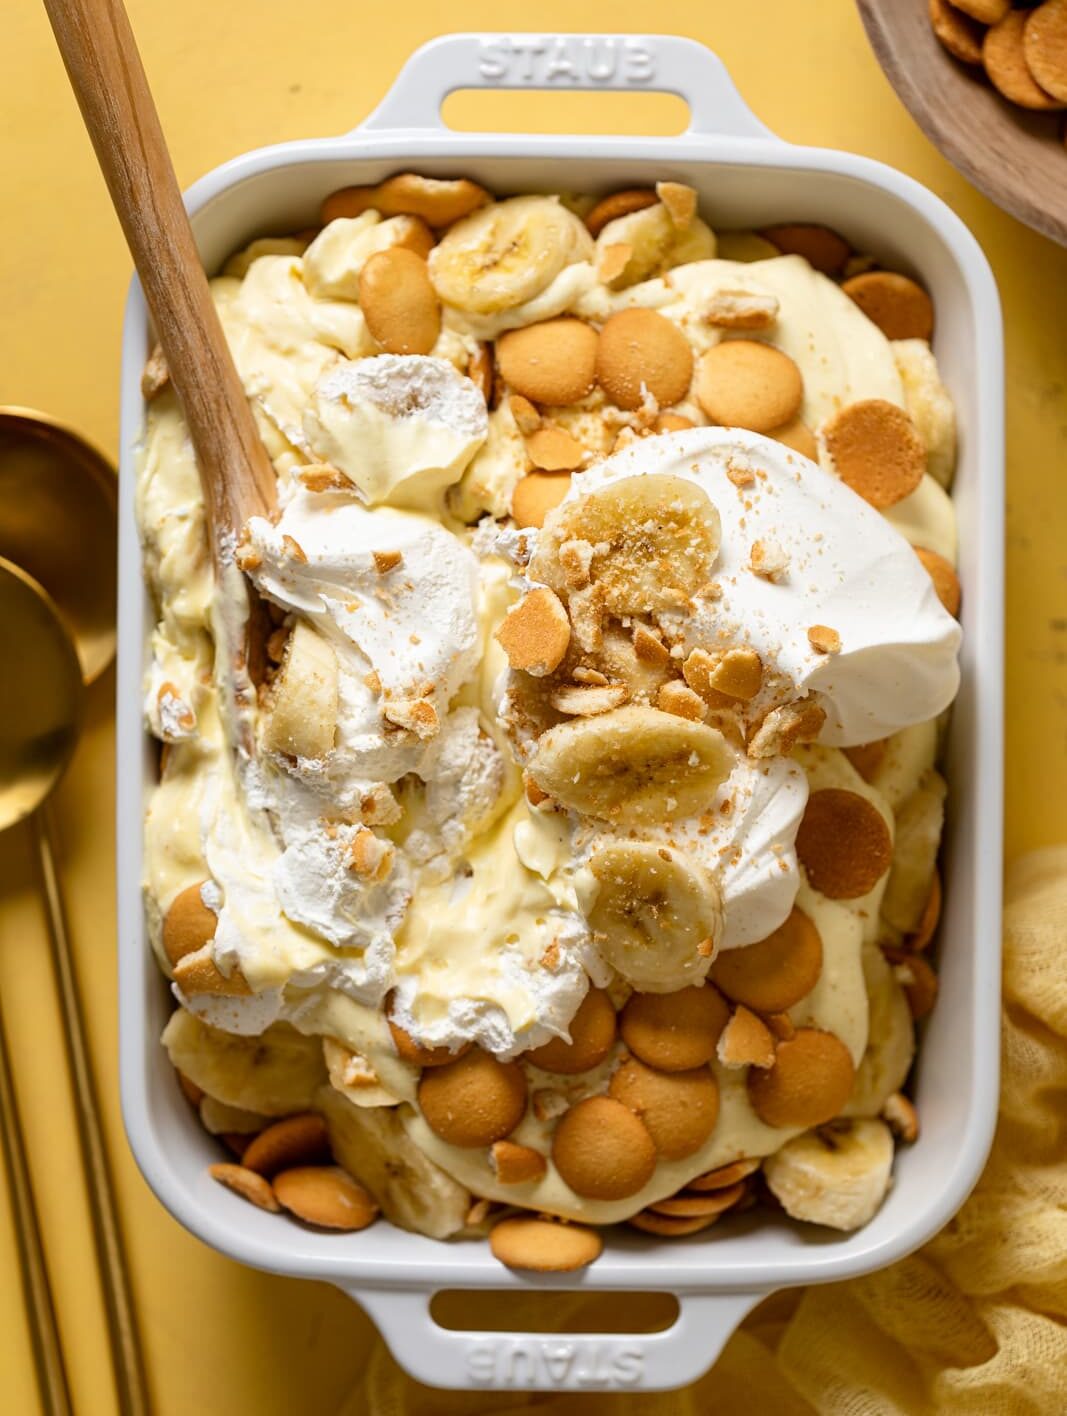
1011	184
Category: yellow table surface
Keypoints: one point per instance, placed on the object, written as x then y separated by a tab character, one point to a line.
232	76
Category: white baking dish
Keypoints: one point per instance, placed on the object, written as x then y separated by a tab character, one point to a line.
746	177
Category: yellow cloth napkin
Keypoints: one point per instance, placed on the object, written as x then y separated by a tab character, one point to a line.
975	1324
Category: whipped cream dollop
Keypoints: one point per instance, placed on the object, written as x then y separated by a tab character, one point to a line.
834	562
394	592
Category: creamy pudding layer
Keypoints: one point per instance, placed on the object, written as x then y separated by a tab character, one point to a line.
480	732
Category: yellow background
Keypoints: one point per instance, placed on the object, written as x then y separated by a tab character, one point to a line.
234	74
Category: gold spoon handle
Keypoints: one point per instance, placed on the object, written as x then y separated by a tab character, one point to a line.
48	1354
105	72
125	1347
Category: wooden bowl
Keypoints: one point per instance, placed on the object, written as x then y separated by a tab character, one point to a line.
1015	157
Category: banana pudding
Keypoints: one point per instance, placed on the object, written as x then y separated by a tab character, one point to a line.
563	837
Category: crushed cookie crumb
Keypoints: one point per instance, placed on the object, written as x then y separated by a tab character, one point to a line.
385	561
824	639
768	559
294	548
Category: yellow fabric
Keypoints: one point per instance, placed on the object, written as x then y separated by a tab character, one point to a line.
220	1338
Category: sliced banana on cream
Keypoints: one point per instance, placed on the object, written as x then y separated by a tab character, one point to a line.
837	1175
506	254
653	541
632	765
657	916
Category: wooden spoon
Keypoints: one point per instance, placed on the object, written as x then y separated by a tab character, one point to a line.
105	70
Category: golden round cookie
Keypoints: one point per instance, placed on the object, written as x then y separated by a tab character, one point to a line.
797	435
474	1100
898	305
986	12
602	1150
929	919
325	1195
408	1050
293	1141
742	383
877	451
810	1082
775	973
843	843
1005	63
551	362
867	757
246	1183
544	1245
942	573
822	248
670	1226
642	350
618	204
438	201
1045	47
188	923
592	1031
724	1176
686	1205
678	1108
957	32
399	303
674	1032
535	495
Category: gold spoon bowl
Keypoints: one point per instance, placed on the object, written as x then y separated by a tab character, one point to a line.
57	521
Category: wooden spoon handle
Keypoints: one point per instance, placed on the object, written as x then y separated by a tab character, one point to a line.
101	57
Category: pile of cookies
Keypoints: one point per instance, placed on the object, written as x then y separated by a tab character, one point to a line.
1022	49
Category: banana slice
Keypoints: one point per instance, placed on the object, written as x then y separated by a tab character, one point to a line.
654	245
890	1040
654	539
634	764
301	718
657	917
375	1149
838	1175
506	254
274	1073
929	405
915	844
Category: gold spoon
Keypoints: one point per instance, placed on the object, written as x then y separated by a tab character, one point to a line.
40	729
57	519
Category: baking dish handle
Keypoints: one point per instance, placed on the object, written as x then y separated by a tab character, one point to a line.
540	1361
661	63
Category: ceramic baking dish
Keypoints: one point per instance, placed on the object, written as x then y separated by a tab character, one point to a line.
746	177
